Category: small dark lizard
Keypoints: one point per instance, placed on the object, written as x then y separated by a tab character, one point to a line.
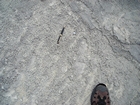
60	35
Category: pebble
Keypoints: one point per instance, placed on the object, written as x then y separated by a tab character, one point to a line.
2	87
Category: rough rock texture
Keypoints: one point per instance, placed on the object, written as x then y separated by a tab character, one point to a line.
101	43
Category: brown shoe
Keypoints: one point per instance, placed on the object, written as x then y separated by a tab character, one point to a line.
100	95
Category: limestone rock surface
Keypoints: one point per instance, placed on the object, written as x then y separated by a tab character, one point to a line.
100	44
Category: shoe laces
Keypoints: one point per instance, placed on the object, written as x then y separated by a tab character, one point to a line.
101	101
